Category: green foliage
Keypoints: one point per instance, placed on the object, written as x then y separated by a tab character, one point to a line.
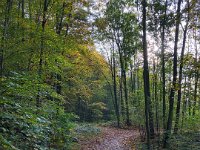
23	128
191	123
48	63
185	141
87	129
96	110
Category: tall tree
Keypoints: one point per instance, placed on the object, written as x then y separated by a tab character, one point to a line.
4	34
42	46
163	64
174	84
196	70
155	89
148	111
180	74
114	77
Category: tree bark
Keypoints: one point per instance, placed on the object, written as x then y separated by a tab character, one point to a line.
40	65
155	81
121	98
180	77
4	36
196	76
163	66
126	98
122	55
148	113
174	84
115	88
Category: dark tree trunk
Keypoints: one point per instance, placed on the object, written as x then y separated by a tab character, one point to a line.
115	91
155	80
184	103
126	98
180	78
23	13
121	98
30	9
4	34
59	25
132	82
196	76
174	84
195	92
189	94
122	55
163	66
148	112
38	98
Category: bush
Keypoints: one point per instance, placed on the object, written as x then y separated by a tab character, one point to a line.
25	128
87	129
185	141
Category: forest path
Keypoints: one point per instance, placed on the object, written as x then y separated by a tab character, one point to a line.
112	139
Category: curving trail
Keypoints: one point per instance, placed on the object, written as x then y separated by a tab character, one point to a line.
112	139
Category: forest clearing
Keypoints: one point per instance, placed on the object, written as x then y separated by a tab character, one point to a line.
99	74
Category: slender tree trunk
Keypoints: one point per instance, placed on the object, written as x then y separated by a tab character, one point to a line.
195	92
31	51
30	9
23	12
163	66
115	89
172	91
148	112
23	16
126	98
180	78
4	37
196	76
123	62
121	98
59	27
132	77
38	98
155	80
184	103
137	84
189	94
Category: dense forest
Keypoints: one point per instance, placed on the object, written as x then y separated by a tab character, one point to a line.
74	70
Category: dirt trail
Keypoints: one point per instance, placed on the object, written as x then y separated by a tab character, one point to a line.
112	139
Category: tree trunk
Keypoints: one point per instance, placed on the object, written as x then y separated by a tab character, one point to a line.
4	35
59	27
123	74
40	65
184	103
196	76
180	78
174	84
126	98
163	66
189	94
115	90
121	98
155	78
148	112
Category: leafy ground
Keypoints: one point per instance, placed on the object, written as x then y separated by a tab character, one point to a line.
110	138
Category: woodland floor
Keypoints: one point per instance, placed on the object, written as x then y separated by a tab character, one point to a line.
111	139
